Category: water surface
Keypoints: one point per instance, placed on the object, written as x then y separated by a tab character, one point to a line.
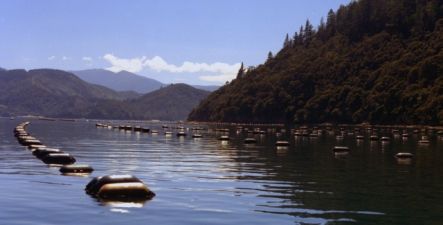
206	181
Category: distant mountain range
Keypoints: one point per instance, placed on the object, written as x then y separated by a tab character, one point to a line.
48	92
121	81
126	81
57	93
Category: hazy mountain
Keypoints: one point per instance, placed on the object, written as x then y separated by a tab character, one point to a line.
48	92
121	81
126	81
173	102
209	88
371	61
56	93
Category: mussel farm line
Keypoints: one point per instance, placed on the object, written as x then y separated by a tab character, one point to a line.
48	155
130	188
360	134
111	187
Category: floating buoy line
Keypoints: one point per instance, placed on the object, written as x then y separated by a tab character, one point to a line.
344	131
50	156
111	187
130	188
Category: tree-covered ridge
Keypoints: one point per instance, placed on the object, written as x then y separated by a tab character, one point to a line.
378	61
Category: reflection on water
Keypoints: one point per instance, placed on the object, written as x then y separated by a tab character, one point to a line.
122	204
208	181
401	161
76	174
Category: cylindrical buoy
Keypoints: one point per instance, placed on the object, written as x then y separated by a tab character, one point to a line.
42	152
121	187
181	134
76	169
282	143
24	141
373	138
250	141
25	137
28	142
20	133
340	149
133	190
58	158
33	147
404	155
385	139
224	138
91	184
424	140
95	184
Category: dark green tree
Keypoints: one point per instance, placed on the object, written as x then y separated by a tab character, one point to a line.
309	31
270	56
331	24
287	42
241	71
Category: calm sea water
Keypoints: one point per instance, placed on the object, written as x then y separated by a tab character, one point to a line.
206	181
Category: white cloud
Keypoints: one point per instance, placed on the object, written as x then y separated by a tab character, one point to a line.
117	64
222	71
87	58
158	64
52	57
64	58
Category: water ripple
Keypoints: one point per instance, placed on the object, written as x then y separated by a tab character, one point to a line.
206	181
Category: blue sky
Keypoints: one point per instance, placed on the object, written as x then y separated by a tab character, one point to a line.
192	41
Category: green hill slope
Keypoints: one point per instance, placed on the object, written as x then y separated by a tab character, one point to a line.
173	102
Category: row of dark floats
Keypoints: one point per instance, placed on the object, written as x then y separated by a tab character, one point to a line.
110	187
182	133
302	132
357	133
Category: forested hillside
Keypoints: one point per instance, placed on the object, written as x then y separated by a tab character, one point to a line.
377	61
